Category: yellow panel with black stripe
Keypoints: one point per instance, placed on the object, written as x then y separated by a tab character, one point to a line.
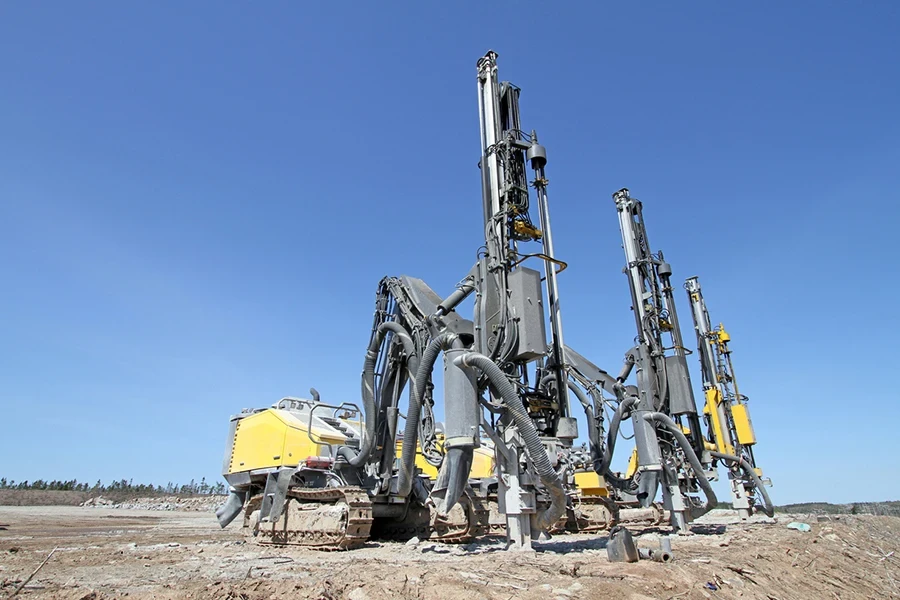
275	438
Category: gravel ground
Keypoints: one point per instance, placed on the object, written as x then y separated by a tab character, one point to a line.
107	553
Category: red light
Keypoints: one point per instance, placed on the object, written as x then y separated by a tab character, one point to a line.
319	462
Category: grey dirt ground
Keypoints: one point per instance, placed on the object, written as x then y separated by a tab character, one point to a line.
118	553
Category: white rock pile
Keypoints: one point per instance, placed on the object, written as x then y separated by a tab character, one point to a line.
187	503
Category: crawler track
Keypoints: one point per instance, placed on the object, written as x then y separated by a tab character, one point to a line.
324	519
588	515
467	521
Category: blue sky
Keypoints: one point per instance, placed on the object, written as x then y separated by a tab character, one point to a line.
197	202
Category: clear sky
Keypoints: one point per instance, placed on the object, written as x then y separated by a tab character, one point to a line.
197	202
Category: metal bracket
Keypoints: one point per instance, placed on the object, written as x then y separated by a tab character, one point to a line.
281	487
265	507
523	257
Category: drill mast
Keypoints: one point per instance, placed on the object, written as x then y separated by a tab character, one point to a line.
729	426
505	148
663	383
509	309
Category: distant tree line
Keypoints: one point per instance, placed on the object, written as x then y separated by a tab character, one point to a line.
122	486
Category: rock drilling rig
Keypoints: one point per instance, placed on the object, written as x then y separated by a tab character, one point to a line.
728	419
668	439
310	473
332	475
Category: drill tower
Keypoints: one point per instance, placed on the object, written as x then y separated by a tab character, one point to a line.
666	425
729	426
528	421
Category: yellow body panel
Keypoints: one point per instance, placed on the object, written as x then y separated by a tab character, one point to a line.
742	425
482	462
423	465
274	438
713	398
426	467
632	464
591	484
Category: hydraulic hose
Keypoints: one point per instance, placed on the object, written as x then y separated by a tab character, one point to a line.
368	384
613	434
593	435
582	397
347	453
768	508
549	477
579	393
588	409
548	378
688	450
625	484
411	430
602	466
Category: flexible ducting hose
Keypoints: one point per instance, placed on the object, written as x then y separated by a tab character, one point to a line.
767	508
702	481
411	431
368	384
628	485
536	452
